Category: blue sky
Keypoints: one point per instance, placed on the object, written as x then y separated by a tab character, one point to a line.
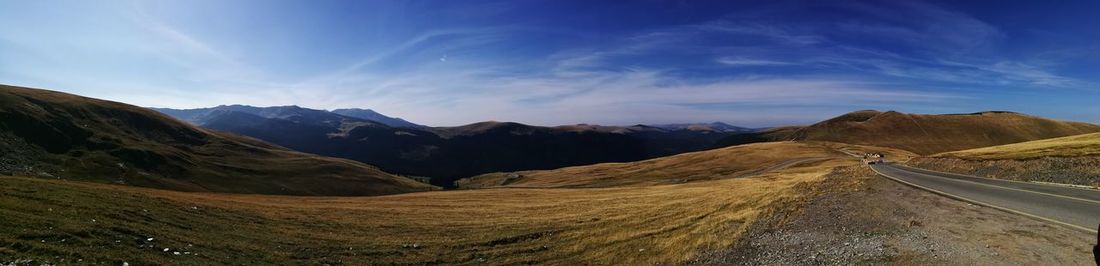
750	63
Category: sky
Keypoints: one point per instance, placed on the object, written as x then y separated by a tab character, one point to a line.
445	63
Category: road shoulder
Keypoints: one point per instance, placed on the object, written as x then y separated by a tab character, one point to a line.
856	217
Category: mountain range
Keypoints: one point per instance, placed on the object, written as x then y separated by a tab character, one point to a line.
270	150
201	116
448	153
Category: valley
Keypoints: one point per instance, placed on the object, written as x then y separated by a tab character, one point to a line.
449	153
565	132
100	182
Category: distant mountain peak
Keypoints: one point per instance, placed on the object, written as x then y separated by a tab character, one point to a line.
337	110
712	126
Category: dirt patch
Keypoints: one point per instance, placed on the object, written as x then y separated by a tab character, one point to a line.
856	217
1067	170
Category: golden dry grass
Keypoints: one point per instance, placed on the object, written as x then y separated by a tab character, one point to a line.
714	164
852	149
623	225
1072	146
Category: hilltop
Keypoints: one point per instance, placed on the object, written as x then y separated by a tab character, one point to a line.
925	134
63	136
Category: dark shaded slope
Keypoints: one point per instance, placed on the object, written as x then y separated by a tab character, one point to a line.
368	114
459	152
59	135
771	134
448	153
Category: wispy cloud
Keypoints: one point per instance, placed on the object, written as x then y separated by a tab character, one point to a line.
738	61
759	67
592	85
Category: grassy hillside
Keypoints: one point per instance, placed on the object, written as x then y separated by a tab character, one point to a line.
63	136
1071	160
1072	146
931	134
696	166
51	220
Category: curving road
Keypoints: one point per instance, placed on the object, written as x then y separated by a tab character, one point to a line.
1073	207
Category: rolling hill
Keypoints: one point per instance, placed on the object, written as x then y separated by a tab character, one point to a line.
1071	160
448	153
1072	146
63	136
57	220
924	134
724	163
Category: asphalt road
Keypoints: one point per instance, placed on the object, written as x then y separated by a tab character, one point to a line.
1073	207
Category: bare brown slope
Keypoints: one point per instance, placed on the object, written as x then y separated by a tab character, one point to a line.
53	134
930	134
716	164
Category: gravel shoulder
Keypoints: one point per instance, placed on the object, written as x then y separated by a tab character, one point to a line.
856	217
